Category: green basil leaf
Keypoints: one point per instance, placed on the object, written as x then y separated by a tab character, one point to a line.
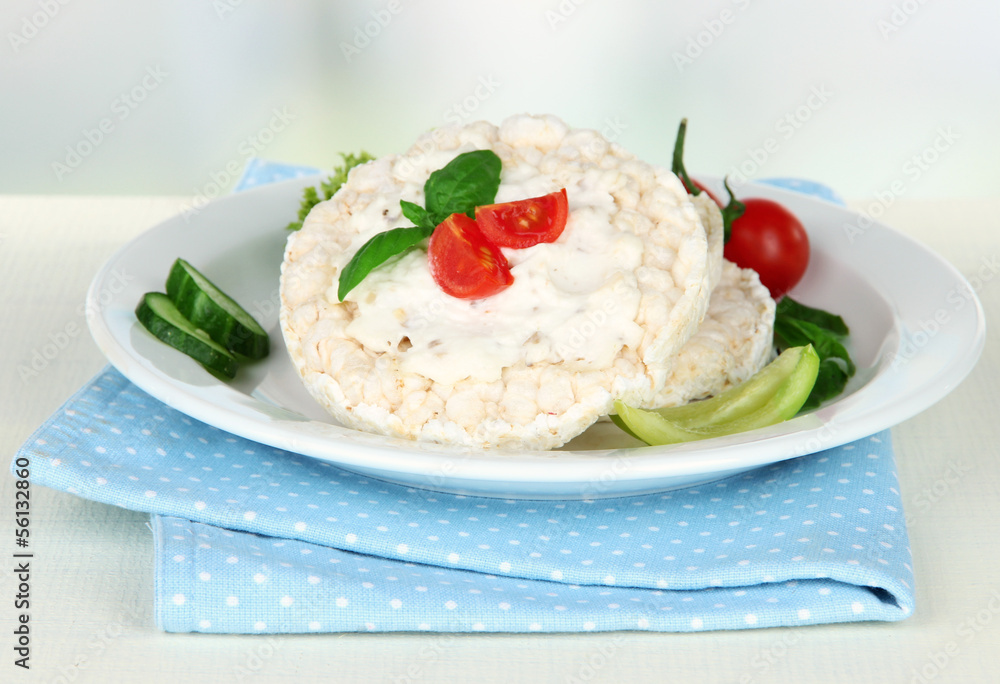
789	308
835	367
830	382
797	332
416	213
376	252
469	180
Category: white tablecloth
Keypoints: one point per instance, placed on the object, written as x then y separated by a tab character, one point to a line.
91	572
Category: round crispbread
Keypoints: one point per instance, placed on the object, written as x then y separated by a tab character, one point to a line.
493	381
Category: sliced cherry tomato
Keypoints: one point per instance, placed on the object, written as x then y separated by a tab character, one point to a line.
770	240
525	222
463	262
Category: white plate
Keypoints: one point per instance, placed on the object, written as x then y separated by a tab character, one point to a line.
917	330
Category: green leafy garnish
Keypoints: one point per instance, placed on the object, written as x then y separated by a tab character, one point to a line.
416	213
468	181
796	324
732	211
311	196
789	308
377	251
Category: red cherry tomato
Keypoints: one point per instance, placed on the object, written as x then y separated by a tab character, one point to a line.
463	262
525	222
770	240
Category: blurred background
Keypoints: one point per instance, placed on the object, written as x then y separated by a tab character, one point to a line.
874	98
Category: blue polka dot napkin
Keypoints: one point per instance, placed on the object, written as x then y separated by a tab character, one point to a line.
249	538
253	539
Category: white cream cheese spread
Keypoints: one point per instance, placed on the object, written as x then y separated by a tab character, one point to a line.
600	314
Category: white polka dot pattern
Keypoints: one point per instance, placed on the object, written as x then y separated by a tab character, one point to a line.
253	539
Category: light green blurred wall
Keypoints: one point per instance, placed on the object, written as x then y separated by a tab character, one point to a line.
168	97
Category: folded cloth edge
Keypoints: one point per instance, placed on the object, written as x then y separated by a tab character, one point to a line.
256	167
869	575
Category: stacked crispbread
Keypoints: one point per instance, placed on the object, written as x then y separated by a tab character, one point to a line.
633	302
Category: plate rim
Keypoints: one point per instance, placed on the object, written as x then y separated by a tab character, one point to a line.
495	465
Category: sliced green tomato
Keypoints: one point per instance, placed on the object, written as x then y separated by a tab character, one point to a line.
158	314
773	395
210	309
742	399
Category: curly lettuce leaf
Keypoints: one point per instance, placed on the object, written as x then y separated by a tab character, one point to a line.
312	196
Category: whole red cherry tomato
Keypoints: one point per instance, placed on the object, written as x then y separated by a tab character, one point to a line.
770	240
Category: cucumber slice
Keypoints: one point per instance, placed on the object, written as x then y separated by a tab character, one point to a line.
209	308
771	396
157	313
